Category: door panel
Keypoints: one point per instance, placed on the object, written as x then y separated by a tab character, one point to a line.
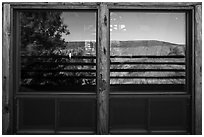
77	115
36	114
148	72
169	114
128	114
56	73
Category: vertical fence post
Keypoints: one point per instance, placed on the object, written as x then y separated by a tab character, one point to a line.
5	70
198	69
103	70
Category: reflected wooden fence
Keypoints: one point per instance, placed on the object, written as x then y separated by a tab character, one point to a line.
85	66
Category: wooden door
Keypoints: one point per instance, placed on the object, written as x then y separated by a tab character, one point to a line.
150	78
56	73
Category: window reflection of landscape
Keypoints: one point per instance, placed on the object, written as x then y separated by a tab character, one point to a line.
147	47
55	53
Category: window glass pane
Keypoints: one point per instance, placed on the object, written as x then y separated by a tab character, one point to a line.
147	47
57	49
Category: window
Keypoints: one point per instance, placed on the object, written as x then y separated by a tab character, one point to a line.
148	47
102	68
61	56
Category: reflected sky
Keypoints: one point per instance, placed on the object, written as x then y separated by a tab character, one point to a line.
82	25
169	27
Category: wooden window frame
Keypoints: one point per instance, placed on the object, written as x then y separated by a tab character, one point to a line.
103	86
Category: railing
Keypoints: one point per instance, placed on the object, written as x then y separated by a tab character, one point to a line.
147	73
154	68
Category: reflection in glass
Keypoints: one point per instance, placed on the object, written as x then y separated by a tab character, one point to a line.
58	49
147	47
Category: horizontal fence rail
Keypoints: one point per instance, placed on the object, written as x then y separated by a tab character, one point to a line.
58	70
112	70
148	63
147	77
115	77
63	63
60	77
143	70
60	56
57	64
151	70
146	56
94	57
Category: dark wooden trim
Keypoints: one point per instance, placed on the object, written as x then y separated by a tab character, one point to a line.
17	115
76	132
12	72
103	71
54	96
41	132
148	132
53	132
190	65
16	62
151	95
6	68
198	69
56	113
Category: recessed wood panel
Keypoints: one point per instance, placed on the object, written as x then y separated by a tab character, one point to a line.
36	113
77	114
128	114
169	114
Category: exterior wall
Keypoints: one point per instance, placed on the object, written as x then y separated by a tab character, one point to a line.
103	86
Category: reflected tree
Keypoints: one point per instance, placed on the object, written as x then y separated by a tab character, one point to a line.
41	35
42	30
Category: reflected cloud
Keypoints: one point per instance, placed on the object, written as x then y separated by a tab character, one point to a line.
118	27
